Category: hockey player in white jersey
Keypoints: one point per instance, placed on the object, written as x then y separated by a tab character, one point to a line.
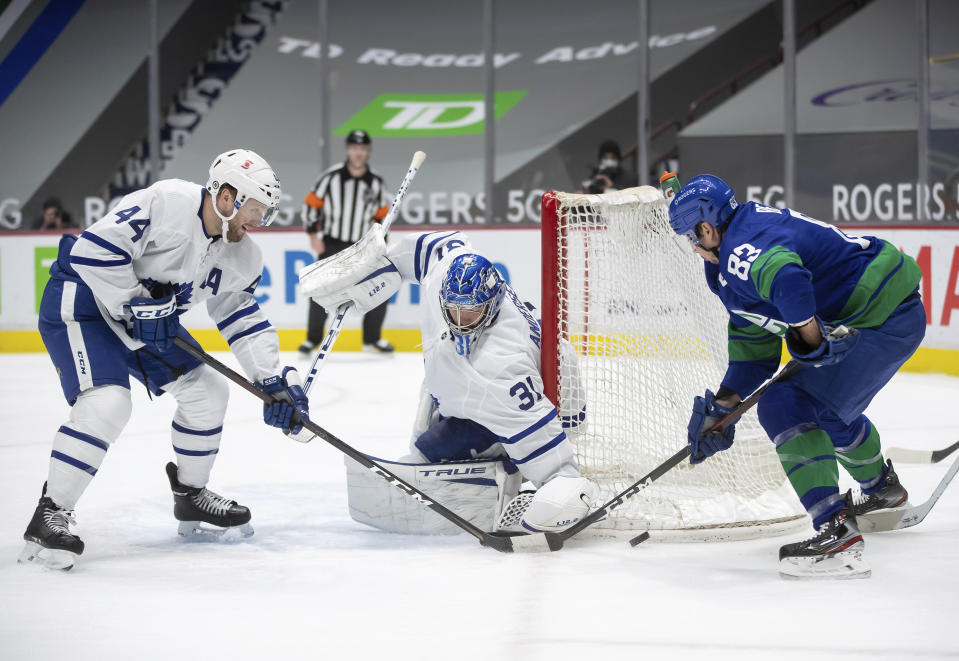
483	391
111	309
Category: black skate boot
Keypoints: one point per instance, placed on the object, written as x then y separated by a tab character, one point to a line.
49	541
193	506
891	495
834	552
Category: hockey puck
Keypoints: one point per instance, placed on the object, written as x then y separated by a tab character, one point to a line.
639	539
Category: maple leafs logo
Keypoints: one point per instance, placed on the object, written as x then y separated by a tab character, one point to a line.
184	292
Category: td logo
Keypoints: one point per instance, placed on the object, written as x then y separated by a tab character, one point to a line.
417	115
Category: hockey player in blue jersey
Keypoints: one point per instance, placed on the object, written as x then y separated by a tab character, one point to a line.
111	309
849	309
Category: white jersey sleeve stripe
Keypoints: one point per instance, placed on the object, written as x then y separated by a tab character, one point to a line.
542	449
539	424
263	325
417	270
239	314
429	251
125	257
420	265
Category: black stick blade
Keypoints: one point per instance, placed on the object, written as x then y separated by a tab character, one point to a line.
533	543
639	539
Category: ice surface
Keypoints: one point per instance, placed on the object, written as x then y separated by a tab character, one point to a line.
313	584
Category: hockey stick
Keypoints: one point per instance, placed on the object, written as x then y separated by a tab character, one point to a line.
893	519
327	345
499	541
920	456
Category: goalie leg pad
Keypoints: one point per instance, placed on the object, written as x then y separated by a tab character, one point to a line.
560	503
427	415
476	490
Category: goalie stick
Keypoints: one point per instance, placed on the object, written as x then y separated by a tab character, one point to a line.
894	519
920	456
503	542
327	345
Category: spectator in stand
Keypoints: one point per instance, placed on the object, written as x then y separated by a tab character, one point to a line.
54	217
609	174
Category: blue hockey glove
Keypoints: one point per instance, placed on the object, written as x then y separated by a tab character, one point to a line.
155	321
291	406
706	412
836	343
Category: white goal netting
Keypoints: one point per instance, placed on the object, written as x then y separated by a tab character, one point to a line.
629	296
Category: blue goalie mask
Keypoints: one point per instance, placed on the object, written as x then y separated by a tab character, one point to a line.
705	197
470	298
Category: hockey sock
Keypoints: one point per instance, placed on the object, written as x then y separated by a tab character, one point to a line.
196	451
79	446
863	458
201	397
808	457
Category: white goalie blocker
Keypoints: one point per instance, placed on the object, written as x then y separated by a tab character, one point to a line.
361	273
477	490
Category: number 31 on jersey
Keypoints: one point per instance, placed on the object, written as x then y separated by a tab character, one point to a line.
526	392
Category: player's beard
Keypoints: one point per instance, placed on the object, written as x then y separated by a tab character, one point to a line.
234	233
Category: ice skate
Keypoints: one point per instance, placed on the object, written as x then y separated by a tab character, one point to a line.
49	541
195	506
835	552
891	497
380	346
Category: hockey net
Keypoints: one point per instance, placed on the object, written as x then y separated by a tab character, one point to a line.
632	332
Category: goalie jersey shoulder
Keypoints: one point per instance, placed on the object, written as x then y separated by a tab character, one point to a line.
416	255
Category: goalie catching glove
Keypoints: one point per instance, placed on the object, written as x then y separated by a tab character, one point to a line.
290	406
361	274
560	503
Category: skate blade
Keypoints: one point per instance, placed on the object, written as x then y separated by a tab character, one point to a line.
197	531
882	520
53	559
844	565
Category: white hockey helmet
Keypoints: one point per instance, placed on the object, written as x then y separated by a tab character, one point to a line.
251	176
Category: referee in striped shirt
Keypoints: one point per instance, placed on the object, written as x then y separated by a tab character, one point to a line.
337	213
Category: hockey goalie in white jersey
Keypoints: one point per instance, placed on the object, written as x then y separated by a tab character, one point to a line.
483	422
111	309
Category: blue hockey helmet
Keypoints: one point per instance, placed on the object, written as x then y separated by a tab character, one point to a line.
470	298
705	197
